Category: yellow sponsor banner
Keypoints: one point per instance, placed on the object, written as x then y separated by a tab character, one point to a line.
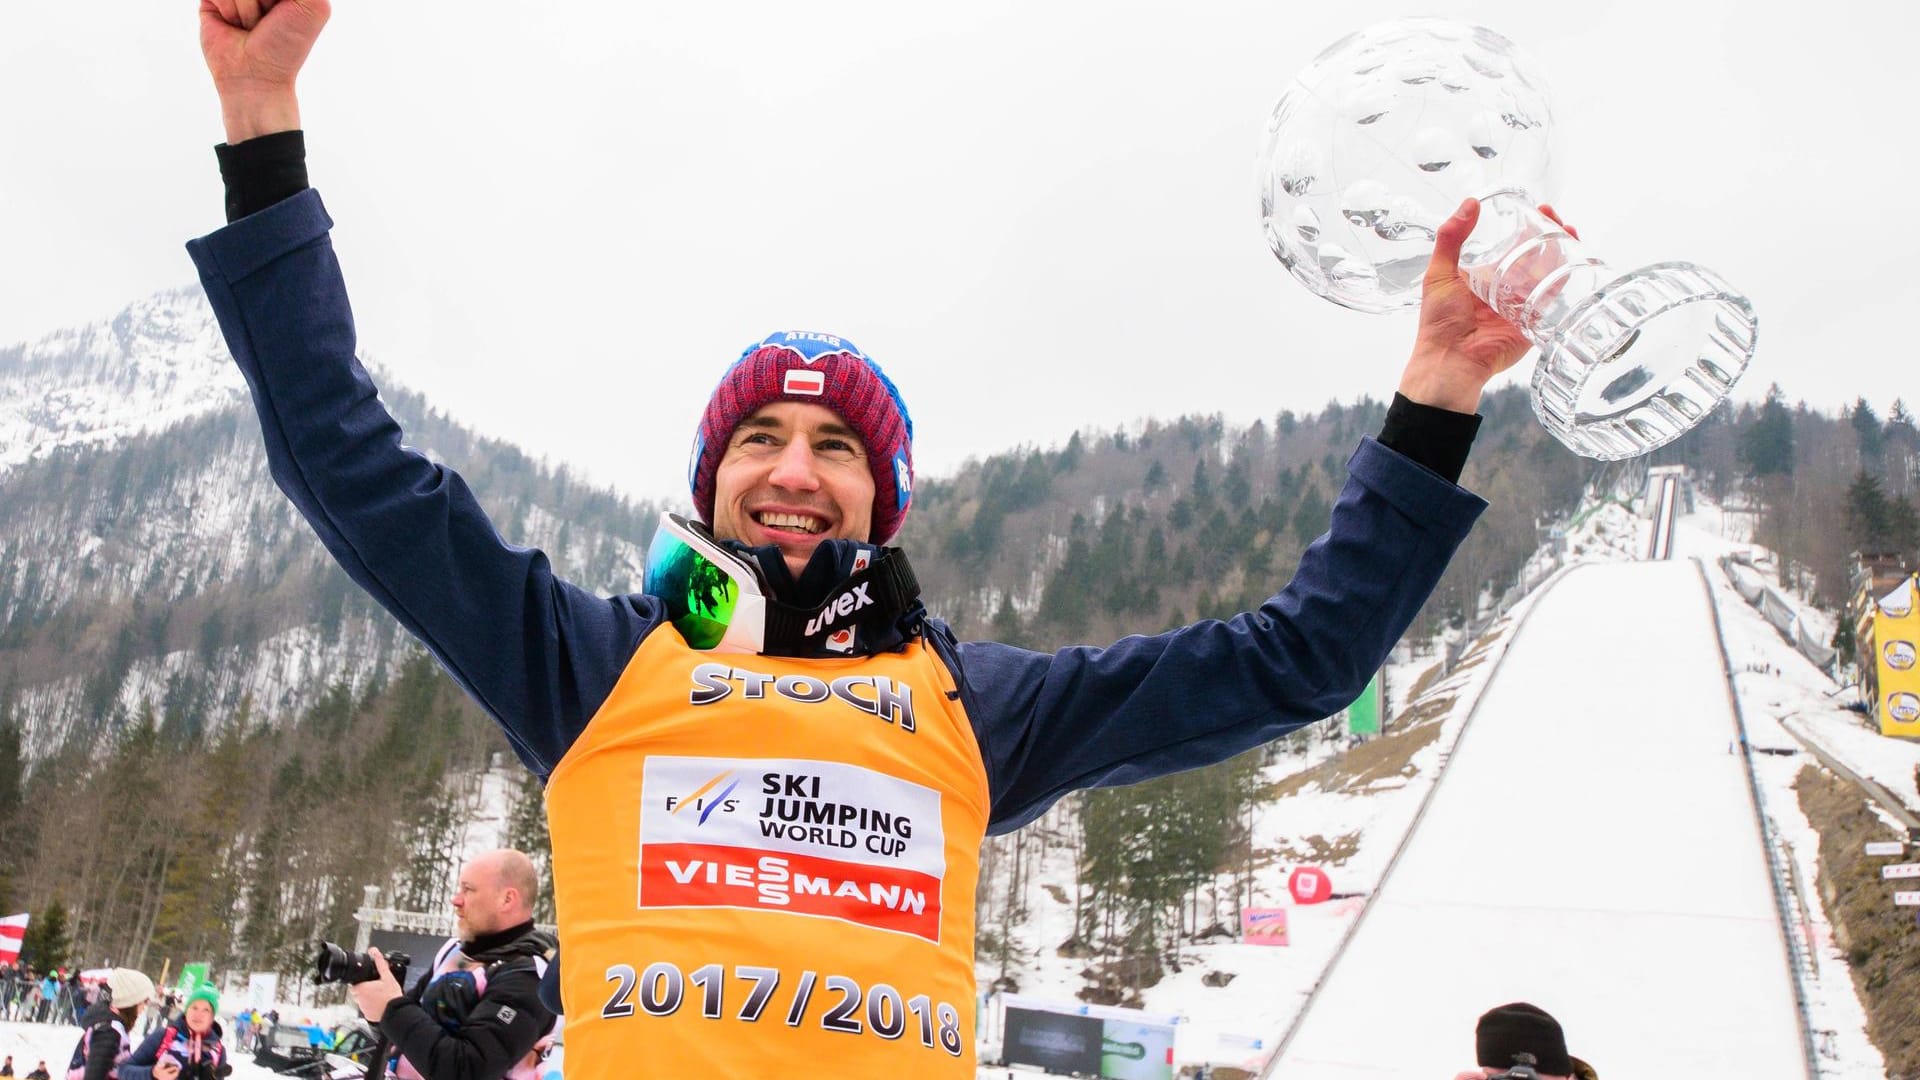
1896	643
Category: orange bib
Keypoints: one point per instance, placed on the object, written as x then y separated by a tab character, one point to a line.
766	867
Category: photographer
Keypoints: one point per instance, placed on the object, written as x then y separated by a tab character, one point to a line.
186	1049
476	1012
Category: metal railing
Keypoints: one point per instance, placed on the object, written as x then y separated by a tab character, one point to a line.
1798	959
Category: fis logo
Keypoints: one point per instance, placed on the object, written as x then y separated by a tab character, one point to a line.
706	806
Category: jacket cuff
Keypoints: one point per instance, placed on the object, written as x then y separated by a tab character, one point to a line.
1418	492
256	240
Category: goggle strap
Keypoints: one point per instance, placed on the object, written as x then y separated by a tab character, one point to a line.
890	586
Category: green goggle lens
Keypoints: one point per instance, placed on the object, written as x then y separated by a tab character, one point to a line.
701	598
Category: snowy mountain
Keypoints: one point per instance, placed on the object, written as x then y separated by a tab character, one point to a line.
149	563
157	363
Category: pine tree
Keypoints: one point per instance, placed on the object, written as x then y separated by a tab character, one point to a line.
1868	518
1069	459
1007	625
1202	487
527	832
47	945
1903	527
1866	429
1766	446
1156	476
1239	483
1310	514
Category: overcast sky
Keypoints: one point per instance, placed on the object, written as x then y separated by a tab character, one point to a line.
562	221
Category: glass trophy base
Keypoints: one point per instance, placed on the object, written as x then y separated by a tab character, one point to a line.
1642	359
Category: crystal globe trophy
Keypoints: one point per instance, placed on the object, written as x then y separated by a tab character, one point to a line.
1379	140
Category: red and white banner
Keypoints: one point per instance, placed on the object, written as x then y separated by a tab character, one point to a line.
1263	926
13	931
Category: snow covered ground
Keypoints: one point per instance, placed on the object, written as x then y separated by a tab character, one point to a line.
1778	687
53	1043
1775	685
1592	849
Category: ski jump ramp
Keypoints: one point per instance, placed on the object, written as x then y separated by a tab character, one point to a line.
1591	848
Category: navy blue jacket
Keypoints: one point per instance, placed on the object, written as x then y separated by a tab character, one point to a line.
541	655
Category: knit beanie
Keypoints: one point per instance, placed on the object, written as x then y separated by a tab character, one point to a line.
1521	1028
204	992
129	987
814	369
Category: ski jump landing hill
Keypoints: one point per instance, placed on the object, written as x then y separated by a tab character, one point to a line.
1593	848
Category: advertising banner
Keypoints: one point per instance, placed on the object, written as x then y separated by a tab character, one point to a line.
1363	716
1053	1041
1896	638
262	988
192	975
1263	925
1087	1040
1133	1051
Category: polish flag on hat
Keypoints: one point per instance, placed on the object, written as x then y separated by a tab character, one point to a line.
806	381
13	931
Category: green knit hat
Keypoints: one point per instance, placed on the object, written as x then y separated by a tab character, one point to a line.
204	992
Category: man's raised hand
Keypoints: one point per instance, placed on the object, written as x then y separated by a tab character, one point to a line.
1462	343
254	50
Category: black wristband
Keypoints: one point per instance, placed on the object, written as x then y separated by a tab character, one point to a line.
1430	436
260	172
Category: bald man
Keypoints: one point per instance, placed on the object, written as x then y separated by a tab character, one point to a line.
476	1013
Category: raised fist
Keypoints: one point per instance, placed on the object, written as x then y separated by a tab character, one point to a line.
254	50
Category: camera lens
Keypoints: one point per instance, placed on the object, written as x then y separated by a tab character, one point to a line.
331	963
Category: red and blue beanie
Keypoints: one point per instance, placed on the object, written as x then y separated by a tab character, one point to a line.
814	369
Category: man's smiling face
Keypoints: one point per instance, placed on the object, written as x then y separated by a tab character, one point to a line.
793	474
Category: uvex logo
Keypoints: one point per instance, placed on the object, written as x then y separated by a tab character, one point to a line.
849	602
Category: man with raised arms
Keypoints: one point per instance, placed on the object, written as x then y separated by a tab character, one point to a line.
769	773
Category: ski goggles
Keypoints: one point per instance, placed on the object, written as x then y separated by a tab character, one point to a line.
716	599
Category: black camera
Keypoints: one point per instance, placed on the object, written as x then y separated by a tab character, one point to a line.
333	964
